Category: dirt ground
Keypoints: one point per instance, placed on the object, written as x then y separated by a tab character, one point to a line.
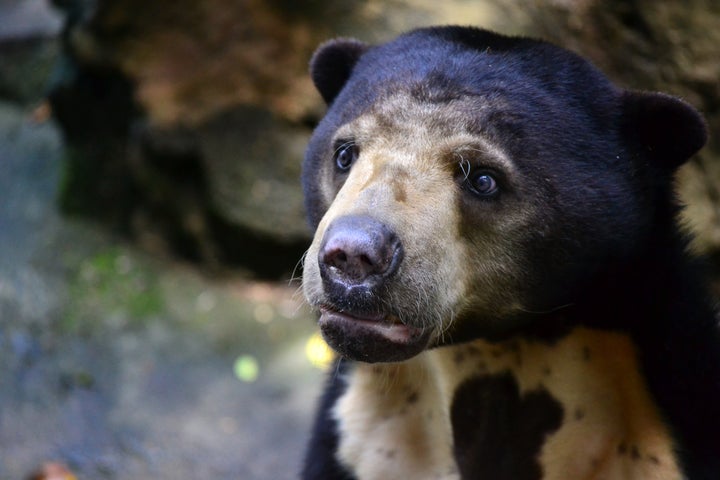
126	366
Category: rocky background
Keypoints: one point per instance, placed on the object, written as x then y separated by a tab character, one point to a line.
151	214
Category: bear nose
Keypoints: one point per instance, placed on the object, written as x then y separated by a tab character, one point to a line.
357	248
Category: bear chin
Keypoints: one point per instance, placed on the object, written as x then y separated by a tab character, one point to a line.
374	339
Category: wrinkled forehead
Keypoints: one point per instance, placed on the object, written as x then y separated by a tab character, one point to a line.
415	118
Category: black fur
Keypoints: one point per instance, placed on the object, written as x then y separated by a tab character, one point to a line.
332	65
320	461
507	443
607	246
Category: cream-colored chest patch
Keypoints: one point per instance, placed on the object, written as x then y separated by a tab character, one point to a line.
394	423
395	419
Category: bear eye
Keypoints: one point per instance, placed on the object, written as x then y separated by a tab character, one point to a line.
345	156
482	184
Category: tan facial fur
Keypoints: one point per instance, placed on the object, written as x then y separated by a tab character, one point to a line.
407	176
394	418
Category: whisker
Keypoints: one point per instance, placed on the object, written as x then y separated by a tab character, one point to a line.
349	143
464	166
336	373
299	263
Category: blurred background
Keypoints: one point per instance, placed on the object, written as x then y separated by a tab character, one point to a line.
151	220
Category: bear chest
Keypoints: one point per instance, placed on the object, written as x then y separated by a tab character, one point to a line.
516	410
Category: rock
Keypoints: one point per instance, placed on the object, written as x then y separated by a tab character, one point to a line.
23	19
224	192
28	49
252	164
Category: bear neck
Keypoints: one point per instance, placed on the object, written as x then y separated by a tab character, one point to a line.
659	298
656	291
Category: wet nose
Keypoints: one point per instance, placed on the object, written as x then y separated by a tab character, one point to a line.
356	249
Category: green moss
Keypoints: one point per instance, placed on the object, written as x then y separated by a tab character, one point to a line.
111	290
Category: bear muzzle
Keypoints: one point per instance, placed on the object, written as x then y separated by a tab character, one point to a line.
358	257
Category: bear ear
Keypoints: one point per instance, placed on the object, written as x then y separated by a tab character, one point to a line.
668	129
332	63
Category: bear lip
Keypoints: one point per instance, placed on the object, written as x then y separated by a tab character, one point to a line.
387	325
371	338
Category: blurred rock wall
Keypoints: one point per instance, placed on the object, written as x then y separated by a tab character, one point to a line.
186	121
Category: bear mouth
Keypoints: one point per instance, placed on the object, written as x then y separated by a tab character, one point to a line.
371	338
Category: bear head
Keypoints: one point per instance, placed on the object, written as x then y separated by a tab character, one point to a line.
462	182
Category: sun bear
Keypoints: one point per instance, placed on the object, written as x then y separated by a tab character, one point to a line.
498	264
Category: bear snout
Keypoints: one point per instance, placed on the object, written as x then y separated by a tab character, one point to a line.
358	251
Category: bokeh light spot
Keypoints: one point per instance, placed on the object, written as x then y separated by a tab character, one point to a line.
318	352
246	368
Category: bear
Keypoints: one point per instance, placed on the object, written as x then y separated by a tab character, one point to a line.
498	262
